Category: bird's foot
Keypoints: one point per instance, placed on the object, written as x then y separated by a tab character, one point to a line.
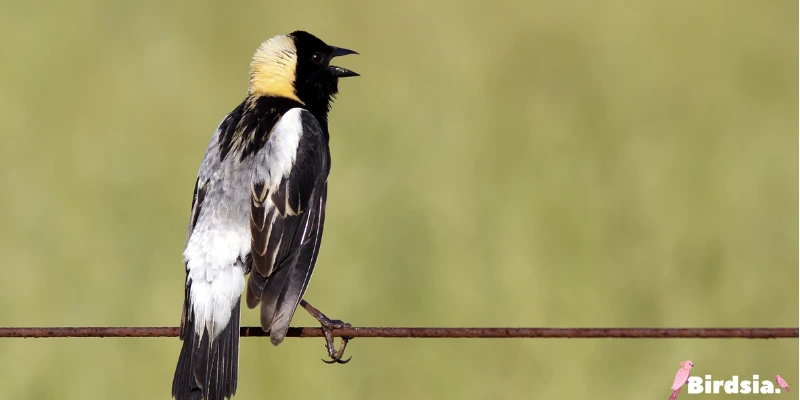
328	325
335	355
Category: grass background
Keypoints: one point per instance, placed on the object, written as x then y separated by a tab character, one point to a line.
503	164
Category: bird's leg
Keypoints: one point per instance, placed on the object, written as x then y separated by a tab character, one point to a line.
327	326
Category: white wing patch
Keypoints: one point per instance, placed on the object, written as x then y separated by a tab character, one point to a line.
282	147
281	151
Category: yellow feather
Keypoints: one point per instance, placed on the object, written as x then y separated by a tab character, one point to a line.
272	71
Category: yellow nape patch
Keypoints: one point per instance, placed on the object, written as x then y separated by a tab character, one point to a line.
272	71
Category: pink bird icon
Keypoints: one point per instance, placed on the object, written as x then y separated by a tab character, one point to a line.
781	383
681	377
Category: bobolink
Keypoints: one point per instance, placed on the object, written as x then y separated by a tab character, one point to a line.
258	208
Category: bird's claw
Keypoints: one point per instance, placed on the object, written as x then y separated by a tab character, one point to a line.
327	329
328	325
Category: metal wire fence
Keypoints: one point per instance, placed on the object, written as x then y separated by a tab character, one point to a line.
392	332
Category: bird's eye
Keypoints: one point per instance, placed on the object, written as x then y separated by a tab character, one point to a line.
317	57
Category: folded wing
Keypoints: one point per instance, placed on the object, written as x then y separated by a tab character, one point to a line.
289	190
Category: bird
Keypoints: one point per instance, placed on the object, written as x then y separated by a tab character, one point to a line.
258	209
782	383
681	377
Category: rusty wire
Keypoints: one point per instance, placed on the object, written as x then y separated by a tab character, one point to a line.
387	332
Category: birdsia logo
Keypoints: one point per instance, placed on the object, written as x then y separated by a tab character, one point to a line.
697	385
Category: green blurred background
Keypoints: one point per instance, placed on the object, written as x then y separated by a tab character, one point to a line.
520	163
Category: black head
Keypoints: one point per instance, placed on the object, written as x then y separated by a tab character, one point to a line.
316	81
297	67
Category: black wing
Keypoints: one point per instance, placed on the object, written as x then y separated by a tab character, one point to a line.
286	227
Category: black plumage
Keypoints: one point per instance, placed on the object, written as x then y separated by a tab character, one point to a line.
286	236
258	208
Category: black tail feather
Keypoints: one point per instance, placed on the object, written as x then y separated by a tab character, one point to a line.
208	370
184	386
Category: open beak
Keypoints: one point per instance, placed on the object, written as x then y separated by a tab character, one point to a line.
340	72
